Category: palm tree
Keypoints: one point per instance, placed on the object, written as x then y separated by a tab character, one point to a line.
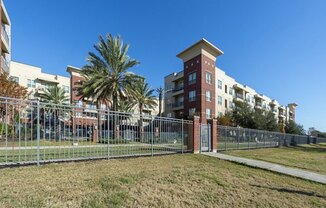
57	102
54	95
160	92
107	78
144	97
106	74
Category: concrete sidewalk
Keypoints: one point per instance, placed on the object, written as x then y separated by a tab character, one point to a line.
272	167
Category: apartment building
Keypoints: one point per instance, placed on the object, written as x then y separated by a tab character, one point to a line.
75	77
5	39
35	80
203	89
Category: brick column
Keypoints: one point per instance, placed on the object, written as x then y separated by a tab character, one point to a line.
196	135
95	135
214	135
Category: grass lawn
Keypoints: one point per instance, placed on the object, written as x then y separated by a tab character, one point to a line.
309	157
164	181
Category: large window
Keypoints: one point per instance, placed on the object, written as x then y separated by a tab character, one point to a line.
79	103
230	90
66	89
31	83
192	78
219	84
208	78
219	100
192	111
208	113
208	95
15	79
192	95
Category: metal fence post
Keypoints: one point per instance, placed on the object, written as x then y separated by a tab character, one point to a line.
38	133
108	136
182	139
152	134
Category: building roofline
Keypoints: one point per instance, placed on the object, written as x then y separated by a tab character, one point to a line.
173	73
73	69
3	7
17	62
201	41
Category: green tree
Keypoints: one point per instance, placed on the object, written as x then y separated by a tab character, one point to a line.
243	115
271	122
160	92
144	97
54	95
106	75
293	128
57	101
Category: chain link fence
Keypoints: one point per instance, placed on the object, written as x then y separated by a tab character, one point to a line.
32	132
234	138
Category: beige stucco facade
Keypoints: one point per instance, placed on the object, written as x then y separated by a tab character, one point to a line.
35	80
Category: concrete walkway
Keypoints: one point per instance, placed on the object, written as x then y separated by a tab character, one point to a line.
319	178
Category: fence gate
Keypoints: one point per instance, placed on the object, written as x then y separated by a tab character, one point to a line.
205	137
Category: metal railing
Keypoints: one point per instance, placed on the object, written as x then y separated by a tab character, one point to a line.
234	138
32	132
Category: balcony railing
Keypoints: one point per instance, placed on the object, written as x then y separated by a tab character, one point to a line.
178	104
238	95
5	34
4	64
178	88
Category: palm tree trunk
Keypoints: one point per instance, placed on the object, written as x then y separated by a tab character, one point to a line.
115	115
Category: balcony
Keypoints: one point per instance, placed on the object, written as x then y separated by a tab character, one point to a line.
177	76
5	39
4	64
178	106
238	97
177	91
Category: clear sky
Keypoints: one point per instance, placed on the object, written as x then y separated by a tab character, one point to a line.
276	47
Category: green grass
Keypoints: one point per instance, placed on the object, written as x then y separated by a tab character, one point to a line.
165	181
80	152
309	157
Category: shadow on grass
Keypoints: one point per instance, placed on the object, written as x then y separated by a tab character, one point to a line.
316	148
291	191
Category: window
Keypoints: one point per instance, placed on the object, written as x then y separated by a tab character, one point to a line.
219	100
78	114
192	96
192	78
225	103
226	89
169	115
208	78
208	95
208	113
15	79
192	111
31	83
79	103
230	104
219	84
230	90
103	106
168	87
66	89
219	114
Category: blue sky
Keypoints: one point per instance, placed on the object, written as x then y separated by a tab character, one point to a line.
277	47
